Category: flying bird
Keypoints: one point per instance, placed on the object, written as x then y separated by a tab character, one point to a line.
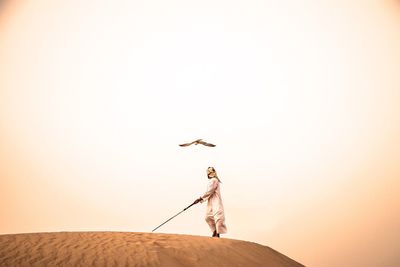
198	141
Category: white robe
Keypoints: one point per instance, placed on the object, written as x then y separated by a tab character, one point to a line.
215	216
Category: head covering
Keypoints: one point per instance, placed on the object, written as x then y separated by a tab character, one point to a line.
212	170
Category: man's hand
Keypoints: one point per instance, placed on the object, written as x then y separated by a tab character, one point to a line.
197	200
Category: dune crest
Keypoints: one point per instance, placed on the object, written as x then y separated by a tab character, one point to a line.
134	249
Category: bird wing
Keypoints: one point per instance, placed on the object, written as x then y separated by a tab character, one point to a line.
188	144
206	144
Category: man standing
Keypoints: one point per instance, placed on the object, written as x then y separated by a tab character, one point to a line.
215	216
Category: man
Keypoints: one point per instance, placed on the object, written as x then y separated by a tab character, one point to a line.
215	216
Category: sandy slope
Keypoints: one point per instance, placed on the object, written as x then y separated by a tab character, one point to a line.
133	249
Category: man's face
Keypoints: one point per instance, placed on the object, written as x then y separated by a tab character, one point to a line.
210	172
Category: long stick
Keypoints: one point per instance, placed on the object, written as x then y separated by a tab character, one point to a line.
173	217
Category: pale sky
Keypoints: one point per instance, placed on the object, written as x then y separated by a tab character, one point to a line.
300	97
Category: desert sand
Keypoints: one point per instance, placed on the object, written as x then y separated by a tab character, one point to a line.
134	249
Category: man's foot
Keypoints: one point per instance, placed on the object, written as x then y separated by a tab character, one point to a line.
215	234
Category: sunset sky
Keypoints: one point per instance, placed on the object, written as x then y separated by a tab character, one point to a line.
302	99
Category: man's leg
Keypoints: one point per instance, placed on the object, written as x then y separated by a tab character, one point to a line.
211	223
219	220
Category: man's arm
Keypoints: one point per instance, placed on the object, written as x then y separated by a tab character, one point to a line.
210	190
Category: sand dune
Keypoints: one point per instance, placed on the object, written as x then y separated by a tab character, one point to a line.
133	249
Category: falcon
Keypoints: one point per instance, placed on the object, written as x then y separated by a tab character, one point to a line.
198	141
